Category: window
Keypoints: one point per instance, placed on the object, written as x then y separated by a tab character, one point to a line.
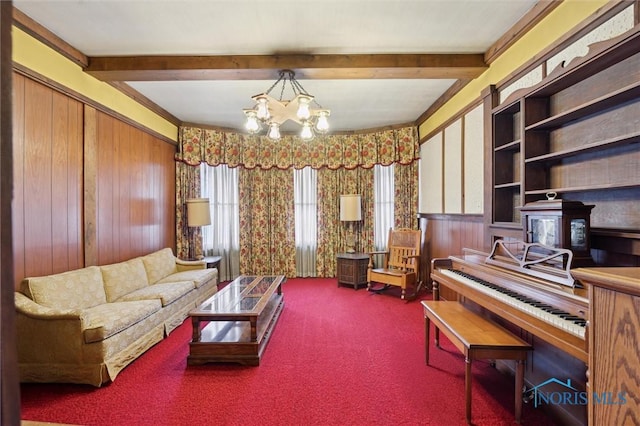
306	205
383	196
222	237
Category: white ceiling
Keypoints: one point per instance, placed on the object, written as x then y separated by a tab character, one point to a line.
261	27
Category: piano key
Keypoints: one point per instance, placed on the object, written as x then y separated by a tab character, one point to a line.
556	317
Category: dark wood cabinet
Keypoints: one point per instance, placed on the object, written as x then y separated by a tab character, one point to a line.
352	269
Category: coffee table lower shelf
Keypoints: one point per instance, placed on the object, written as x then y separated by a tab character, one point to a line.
230	341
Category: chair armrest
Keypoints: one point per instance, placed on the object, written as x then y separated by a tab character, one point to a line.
373	253
186	265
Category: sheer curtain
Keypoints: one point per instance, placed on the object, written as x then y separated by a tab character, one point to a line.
222	237
305	183
383	195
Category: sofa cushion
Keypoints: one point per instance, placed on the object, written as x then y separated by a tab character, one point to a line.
123	278
167	293
103	321
77	289
198	276
159	264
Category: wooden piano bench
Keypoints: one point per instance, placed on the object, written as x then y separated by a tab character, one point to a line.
477	338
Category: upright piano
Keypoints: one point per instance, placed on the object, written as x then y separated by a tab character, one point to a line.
528	285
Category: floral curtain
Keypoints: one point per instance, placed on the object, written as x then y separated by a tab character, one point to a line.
345	166
215	147
267	237
406	196
331	232
188	240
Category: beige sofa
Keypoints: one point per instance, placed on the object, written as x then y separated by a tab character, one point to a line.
86	325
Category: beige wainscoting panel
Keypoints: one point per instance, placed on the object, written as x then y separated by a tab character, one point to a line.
473	161
431	175
453	145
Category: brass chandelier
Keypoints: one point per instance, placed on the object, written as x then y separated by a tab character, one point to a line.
271	113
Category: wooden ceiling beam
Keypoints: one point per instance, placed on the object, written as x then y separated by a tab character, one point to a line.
266	67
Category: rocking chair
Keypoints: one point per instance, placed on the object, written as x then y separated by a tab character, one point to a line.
401	263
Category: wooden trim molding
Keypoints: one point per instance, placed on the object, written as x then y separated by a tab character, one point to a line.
48	38
600	16
87	101
9	381
458	116
90	186
144	101
453	217
536	14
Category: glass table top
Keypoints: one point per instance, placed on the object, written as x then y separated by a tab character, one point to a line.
244	295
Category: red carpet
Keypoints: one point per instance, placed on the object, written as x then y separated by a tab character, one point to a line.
337	357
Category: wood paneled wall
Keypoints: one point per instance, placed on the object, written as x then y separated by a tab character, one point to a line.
135	191
47	203
446	235
88	188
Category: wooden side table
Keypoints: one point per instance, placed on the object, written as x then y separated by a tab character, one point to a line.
213	261
352	269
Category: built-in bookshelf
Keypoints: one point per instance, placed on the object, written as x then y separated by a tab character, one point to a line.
577	134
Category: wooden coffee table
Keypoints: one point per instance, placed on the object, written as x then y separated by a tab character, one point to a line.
240	318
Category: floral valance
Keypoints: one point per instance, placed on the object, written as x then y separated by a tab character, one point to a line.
214	147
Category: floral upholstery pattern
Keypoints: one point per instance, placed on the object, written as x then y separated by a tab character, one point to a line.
167	293
159	265
69	331
77	289
123	278
103	321
198	277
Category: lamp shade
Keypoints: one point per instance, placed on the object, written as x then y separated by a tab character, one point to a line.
350	208
198	212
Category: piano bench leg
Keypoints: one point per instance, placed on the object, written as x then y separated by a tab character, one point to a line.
467	388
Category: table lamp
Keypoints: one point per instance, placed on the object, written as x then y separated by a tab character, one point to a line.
350	211
197	215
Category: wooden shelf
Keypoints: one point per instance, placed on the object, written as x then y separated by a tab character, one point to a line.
511	146
507	225
507	109
594	146
576	134
594	106
507	185
584	188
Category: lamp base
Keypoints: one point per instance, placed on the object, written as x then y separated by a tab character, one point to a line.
351	241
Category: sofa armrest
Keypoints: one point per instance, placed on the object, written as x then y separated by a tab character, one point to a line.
186	265
31	309
48	336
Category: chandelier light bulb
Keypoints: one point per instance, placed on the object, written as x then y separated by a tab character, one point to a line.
306	133
303	107
274	131
252	125
269	113
322	125
263	108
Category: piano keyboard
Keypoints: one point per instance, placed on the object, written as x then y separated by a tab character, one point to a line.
556	317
